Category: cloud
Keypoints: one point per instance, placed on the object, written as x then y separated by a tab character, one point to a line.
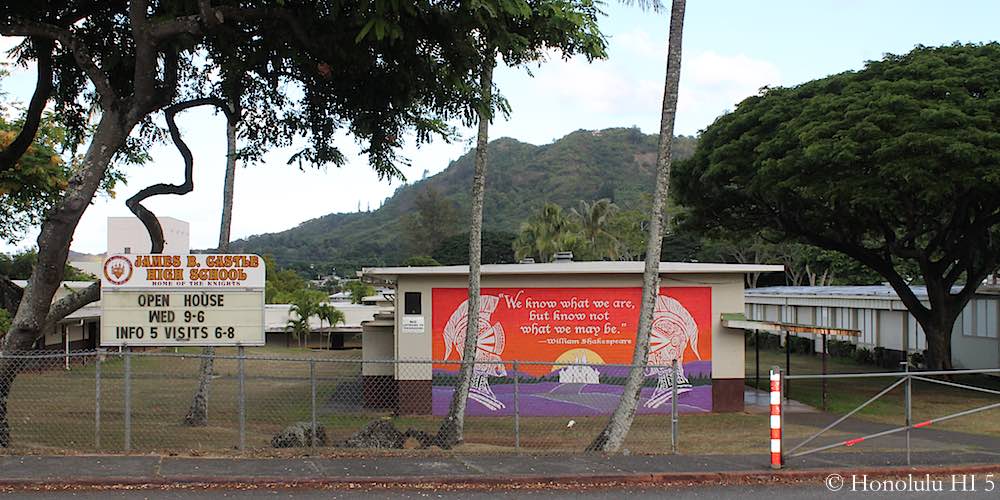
713	83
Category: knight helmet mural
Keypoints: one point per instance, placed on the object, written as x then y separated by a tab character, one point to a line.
489	347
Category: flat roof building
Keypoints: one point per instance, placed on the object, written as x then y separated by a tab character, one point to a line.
882	319
553	314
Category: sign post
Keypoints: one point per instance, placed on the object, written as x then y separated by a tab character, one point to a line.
177	300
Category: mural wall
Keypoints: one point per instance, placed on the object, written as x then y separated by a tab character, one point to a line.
576	326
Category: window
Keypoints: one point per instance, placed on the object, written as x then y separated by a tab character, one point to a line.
128	250
411	303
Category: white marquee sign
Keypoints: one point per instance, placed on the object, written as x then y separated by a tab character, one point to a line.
173	300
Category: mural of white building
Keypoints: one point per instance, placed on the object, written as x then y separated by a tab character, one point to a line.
578	374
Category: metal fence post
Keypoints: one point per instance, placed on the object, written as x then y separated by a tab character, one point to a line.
673	407
312	391
128	399
908	395
97	400
517	408
241	362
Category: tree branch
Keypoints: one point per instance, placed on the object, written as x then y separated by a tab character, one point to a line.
22	27
71	303
33	118
134	203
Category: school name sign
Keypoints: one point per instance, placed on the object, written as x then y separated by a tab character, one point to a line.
175	300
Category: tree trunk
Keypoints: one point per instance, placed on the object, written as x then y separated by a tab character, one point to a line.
53	249
611	438
451	431
197	415
939	346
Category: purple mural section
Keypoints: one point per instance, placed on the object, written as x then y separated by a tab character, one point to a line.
592	390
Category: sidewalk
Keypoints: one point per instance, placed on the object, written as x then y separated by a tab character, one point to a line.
83	471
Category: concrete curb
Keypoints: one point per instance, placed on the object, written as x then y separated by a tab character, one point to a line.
474	482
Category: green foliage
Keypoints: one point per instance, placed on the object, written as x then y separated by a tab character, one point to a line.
18	266
284	286
4	321
597	242
497	248
548	231
897	161
39	176
330	314
433	220
896	166
36	182
421	260
359	290
682	247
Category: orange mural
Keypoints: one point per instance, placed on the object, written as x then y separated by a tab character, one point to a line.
572	325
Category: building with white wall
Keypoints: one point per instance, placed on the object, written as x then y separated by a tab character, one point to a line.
883	320
127	235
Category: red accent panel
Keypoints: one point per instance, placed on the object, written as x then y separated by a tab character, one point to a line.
852	442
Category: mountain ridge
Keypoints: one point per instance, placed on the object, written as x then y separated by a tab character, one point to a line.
616	163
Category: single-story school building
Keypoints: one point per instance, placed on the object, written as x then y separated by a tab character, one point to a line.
882	320
570	325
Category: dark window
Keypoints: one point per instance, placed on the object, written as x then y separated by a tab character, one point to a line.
128	250
411	303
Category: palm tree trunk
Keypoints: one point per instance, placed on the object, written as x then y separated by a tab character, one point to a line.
451	432
613	435
197	415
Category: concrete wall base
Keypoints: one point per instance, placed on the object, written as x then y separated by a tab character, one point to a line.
415	397
727	395
379	392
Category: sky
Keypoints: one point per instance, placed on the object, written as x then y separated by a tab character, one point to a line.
731	49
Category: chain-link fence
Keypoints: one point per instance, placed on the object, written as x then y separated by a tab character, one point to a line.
97	401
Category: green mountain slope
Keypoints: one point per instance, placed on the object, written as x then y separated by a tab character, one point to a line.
584	165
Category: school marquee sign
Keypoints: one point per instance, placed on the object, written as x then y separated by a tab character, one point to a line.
175	300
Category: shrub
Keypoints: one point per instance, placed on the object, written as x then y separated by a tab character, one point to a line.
863	355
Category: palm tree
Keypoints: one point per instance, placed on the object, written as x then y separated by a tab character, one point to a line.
298	328
305	304
594	219
613	435
546	232
332	315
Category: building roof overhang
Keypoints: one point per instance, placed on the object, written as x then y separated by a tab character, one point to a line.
569	268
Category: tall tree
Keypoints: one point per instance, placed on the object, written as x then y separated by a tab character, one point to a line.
595	220
198	412
895	166
434	219
547	231
532	26
453	426
377	69
613	434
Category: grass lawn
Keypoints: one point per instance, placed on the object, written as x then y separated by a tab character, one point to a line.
843	395
53	411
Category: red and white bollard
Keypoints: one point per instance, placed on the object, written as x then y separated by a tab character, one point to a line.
776	458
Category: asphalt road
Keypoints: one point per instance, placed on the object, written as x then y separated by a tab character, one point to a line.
782	492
